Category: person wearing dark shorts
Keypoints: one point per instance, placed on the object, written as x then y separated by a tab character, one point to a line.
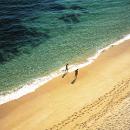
66	67
66	70
76	73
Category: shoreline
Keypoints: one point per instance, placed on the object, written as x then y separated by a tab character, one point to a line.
100	89
32	86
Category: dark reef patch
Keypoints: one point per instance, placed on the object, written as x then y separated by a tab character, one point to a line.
16	38
70	18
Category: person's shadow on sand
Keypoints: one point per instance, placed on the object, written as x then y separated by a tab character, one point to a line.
64	75
73	81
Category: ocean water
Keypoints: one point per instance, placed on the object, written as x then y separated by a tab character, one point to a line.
38	37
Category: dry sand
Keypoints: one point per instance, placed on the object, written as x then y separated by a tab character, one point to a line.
98	100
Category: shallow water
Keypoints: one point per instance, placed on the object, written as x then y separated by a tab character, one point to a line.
40	36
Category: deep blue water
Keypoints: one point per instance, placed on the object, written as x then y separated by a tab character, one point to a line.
39	36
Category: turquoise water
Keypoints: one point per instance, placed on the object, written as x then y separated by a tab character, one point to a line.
38	37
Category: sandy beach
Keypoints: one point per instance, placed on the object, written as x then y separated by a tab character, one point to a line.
98	100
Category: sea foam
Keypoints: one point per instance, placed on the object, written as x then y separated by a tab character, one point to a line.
36	83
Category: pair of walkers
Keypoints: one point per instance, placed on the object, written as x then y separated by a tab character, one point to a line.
66	71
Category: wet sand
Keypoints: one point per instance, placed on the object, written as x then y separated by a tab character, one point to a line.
98	100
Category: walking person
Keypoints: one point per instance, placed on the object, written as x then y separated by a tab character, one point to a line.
66	70
76	73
